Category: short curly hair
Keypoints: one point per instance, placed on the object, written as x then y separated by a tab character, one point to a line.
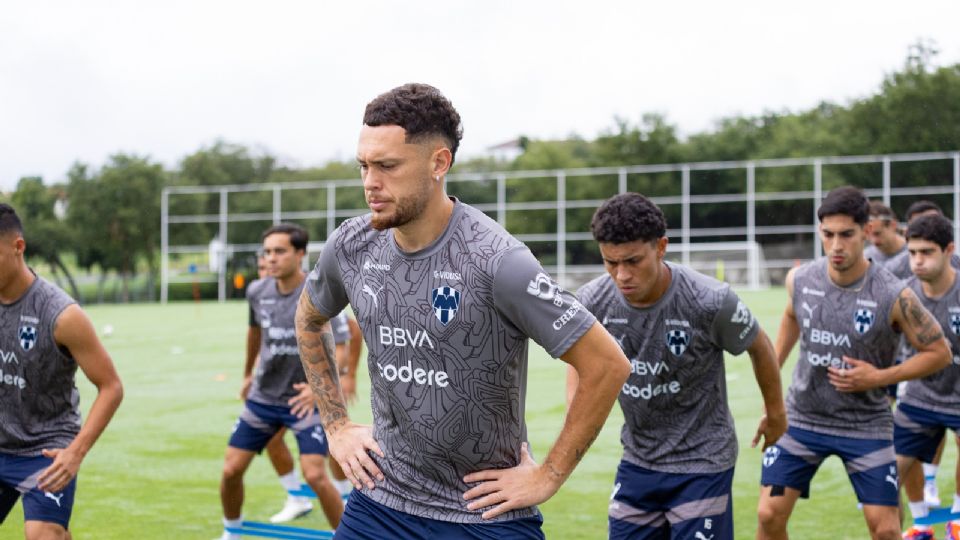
421	110
933	228
628	217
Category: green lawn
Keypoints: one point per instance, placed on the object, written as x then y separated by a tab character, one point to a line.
155	472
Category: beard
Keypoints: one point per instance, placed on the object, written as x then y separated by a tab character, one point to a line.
405	211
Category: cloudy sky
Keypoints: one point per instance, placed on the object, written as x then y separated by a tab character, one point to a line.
82	80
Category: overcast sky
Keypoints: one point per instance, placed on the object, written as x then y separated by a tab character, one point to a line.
82	80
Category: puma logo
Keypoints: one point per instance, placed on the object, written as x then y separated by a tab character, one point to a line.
56	498
806	307
700	536
373	294
892	480
318	435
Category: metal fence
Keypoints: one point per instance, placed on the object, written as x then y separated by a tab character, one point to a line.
685	187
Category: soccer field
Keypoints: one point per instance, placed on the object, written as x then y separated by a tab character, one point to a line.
155	473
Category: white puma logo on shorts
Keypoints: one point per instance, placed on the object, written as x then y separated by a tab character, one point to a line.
56	498
892	480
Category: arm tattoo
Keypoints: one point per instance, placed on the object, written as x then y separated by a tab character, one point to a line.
317	354
927	330
580	452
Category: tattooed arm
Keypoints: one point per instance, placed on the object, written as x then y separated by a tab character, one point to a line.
600	371
924	334
350	443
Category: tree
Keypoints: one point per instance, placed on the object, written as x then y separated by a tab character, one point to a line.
46	236
116	214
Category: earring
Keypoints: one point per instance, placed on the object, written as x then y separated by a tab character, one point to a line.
437	177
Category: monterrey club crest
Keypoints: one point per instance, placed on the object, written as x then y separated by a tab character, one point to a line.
28	337
445	301
770	456
863	320
955	323
677	341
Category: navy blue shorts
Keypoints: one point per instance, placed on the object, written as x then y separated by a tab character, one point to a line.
258	423
917	432
20	473
870	463
648	504
366	519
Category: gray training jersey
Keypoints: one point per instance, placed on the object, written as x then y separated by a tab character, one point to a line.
39	402
279	367
676	418
899	265
447	331
874	253
835	322
939	391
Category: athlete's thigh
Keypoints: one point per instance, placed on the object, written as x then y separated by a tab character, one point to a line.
43	530
38	505
638	504
917	433
702	507
309	434
793	461
871	465
365	519
530	528
258	423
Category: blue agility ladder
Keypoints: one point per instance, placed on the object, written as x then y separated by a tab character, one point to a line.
284	532
937	515
269	530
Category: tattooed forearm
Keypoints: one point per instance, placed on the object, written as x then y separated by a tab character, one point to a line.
317	354
924	326
580	452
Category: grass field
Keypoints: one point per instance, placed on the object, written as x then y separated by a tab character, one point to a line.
155	472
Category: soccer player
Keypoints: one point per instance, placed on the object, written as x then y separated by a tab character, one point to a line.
673	323
274	392
931	405
885	236
899	265
446	300
280	457
45	337
847	314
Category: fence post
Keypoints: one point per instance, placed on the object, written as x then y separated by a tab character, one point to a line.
561	227
164	245
817	197
685	214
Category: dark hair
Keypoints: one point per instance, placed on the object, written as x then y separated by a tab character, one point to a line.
919	207
846	201
421	110
628	217
936	229
878	210
298	235
9	222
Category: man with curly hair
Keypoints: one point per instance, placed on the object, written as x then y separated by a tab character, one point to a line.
674	324
446	300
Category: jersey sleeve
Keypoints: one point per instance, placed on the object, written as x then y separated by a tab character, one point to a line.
325	282
533	302
734	326
341	330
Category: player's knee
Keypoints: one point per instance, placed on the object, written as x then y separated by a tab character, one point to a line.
45	531
314	474
885	531
771	518
233	471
